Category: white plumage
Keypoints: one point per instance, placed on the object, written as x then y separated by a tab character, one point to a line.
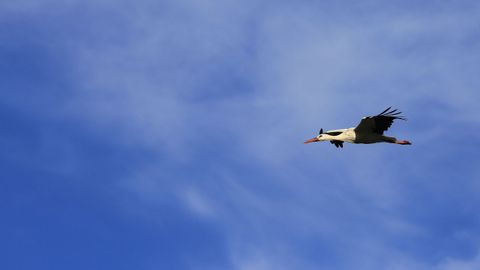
369	130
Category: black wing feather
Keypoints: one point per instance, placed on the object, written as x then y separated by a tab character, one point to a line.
385	119
380	122
333	133
337	143
385	110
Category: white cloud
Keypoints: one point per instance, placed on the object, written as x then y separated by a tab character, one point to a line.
158	86
198	202
455	264
307	74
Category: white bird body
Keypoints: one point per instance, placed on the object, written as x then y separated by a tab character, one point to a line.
346	135
369	130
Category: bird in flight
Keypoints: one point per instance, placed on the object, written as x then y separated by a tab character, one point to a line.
369	130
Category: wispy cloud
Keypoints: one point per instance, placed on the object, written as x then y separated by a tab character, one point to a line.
224	93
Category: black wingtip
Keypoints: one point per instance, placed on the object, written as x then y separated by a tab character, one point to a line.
385	110
395	114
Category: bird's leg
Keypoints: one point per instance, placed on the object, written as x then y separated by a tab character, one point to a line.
403	142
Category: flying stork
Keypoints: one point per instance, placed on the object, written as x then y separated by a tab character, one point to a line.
369	130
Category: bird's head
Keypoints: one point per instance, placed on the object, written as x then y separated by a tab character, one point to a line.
318	138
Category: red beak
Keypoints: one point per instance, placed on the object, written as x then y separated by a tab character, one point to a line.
312	140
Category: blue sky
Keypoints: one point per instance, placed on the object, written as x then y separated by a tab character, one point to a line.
168	135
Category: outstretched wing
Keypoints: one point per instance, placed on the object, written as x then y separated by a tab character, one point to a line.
378	123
